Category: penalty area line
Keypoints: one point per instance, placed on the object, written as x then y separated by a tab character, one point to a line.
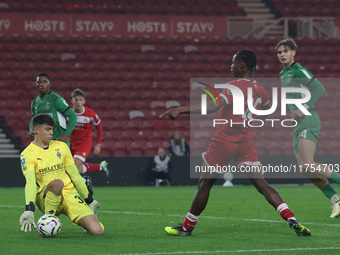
238	251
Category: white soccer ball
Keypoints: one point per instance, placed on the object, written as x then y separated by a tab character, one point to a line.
49	226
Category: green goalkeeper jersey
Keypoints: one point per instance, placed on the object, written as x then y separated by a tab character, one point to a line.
300	77
57	107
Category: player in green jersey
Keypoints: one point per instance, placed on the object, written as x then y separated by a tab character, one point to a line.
306	132
54	105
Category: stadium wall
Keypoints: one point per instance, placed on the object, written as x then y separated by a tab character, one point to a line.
131	171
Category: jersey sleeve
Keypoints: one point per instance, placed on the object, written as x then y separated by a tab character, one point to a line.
27	162
96	119
264	96
32	114
317	89
68	156
61	104
226	95
28	169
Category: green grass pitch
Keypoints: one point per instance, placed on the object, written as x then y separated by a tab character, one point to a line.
237	220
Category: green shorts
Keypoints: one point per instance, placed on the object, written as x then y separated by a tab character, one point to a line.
308	128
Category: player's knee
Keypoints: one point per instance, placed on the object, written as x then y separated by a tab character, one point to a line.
99	230
57	185
206	183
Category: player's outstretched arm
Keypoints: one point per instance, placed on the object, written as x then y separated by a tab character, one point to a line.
97	147
174	113
27	218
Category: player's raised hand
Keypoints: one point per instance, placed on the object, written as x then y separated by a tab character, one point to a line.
172	114
31	135
297	114
97	148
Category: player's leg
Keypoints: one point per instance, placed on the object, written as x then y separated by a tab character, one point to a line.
305	158
79	164
218	154
91	224
53	196
273	197
247	157
81	152
79	212
198	204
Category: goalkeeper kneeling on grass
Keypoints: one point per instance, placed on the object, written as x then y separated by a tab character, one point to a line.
53	181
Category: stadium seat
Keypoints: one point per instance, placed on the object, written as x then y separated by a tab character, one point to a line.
135	149
154	105
136	114
172	103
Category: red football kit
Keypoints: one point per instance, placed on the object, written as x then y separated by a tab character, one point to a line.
81	137
234	139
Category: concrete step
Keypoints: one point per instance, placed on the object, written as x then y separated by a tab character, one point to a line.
9	152
261	16
6	146
257	10
248	1
252	5
2	135
5	140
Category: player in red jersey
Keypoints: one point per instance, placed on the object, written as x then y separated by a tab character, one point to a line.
81	137
233	143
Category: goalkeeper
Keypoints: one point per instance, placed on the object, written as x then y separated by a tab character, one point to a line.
52	179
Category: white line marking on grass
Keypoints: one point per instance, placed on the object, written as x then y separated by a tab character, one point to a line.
216	218
12	206
236	251
205	217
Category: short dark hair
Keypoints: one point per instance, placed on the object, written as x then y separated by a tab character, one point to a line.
287	43
78	92
44	75
43	118
248	57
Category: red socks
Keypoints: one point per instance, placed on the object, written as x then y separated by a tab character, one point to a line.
284	211
190	221
91	167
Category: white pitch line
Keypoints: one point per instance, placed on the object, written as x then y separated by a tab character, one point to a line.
235	251
204	217
217	218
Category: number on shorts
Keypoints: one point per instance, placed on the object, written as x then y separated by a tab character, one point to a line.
81	201
304	133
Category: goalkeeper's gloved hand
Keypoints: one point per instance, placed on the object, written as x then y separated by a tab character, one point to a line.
27	218
94	204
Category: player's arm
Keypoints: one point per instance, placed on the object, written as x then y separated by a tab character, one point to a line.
315	87
72	120
99	131
31	134
317	90
78	181
174	113
27	218
264	107
81	187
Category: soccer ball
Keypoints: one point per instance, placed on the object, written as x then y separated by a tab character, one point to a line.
49	226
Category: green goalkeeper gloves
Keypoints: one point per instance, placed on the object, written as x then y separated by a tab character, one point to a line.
27	221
